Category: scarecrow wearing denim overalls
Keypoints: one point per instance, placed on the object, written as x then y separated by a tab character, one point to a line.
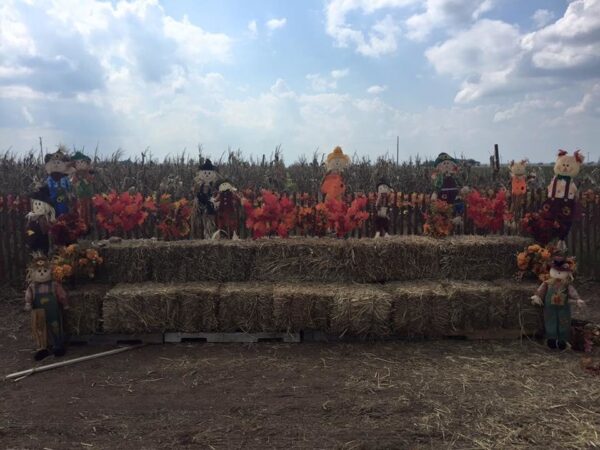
46	299
58	166
556	295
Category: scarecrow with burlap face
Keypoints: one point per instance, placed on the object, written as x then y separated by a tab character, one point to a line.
204	211
46	299
39	221
556	295
58	166
444	178
82	180
227	203
333	185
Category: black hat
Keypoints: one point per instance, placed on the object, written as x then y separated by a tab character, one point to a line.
561	263
381	182
42	194
207	165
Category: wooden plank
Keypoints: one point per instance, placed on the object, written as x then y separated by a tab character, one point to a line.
232	337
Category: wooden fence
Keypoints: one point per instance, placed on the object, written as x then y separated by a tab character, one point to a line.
406	219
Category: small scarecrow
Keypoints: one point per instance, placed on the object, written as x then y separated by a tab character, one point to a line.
560	207
444	178
58	166
382	205
518	171
227	203
556	295
204	211
333	185
46	299
39	221
82	179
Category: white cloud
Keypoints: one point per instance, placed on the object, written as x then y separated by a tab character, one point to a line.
275	24
542	17
493	57
380	39
340	73
253	28
320	83
376	89
530	105
450	14
590	103
27	115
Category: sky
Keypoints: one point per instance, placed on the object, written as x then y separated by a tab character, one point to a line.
443	75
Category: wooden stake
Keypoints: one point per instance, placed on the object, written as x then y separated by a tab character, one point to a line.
33	370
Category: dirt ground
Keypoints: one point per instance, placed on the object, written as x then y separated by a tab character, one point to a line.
430	395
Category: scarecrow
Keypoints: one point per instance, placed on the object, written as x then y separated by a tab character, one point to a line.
333	185
518	171
227	203
39	221
46	299
82	180
58	166
556	296
444	178
383	204
204	211
560	206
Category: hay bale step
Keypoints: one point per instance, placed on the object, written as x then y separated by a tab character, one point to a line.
324	260
403	309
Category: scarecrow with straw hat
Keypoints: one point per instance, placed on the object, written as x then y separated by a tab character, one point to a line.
227	203
556	295
383	204
333	185
82	180
46	299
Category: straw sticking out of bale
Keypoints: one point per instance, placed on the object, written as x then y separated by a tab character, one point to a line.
246	307
520	313
85	310
303	306
361	310
199	307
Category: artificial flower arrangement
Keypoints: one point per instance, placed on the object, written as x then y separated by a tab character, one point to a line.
74	261
173	217
270	214
121	213
343	218
438	220
67	229
535	259
540	229
488	213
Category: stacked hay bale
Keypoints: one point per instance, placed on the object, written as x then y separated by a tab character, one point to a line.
406	286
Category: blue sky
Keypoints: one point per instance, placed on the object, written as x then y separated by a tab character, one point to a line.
444	75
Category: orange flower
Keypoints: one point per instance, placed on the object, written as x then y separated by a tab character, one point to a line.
67	270
534	248
83	261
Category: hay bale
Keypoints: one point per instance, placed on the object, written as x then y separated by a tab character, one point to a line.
480	257
361	310
394	259
481	305
302	306
520	314
124	262
85	309
246	307
420	309
302	259
142	308
202	260
199	303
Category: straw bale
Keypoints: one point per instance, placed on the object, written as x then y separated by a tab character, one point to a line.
199	304
421	309
520	313
123	263
246	307
394	259
142	308
302	259
361	310
481	303
85	309
479	257
302	306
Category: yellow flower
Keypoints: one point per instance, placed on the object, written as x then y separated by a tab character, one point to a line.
71	249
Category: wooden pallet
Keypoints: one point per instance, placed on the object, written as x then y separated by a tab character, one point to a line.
231	337
117	339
